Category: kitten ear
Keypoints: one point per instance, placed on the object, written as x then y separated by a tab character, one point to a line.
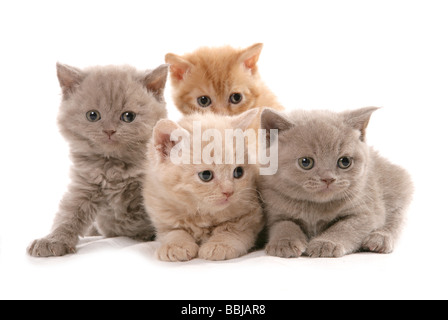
246	119
69	78
178	66
271	119
155	81
359	119
162	137
250	56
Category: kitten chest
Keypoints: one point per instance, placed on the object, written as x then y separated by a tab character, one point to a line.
316	218
116	187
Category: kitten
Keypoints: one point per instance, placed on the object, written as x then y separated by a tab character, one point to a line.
333	194
219	80
107	114
207	210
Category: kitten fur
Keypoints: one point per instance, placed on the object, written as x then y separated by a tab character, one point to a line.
109	155
218	73
216	220
328	211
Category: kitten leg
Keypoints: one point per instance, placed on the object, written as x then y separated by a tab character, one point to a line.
76	213
286	240
93	231
226	246
343	237
234	239
177	245
382	240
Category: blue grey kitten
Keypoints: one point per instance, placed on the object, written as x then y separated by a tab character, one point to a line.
107	115
333	194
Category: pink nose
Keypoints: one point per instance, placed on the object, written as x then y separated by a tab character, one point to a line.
228	194
328	181
109	132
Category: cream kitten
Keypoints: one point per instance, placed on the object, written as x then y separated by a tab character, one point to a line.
210	211
333	194
107	115
220	80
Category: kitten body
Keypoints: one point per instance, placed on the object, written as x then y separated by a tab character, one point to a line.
227	79
215	220
107	115
341	197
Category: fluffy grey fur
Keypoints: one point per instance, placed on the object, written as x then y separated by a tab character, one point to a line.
108	153
325	210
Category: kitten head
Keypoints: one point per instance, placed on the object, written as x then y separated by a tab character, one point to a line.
322	155
209	187
219	80
110	110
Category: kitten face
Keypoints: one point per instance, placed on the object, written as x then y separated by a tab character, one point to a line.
110	110
218	80
323	169
217	187
209	188
322	156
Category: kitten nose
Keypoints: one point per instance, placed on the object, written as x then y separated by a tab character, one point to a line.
329	181
228	194
109	132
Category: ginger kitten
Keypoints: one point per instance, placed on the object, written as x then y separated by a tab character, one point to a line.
107	115
333	194
221	80
211	211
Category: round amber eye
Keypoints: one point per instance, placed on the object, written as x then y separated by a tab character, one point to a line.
306	163
204	101
344	162
206	176
93	116
236	98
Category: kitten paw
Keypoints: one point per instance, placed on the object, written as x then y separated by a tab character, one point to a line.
325	249
217	251
378	242
174	252
47	247
286	248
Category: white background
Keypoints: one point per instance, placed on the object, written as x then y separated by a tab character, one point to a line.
318	55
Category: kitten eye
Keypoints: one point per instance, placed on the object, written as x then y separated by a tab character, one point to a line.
206	176
238	173
128	116
236	98
93	116
344	162
306	163
204	101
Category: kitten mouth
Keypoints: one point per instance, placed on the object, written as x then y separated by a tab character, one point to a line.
223	202
321	189
110	140
327	189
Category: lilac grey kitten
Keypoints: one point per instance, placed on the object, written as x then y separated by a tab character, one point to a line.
333	194
107	115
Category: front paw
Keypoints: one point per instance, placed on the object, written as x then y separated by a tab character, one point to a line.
50	247
218	251
378	242
325	249
174	252
286	248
